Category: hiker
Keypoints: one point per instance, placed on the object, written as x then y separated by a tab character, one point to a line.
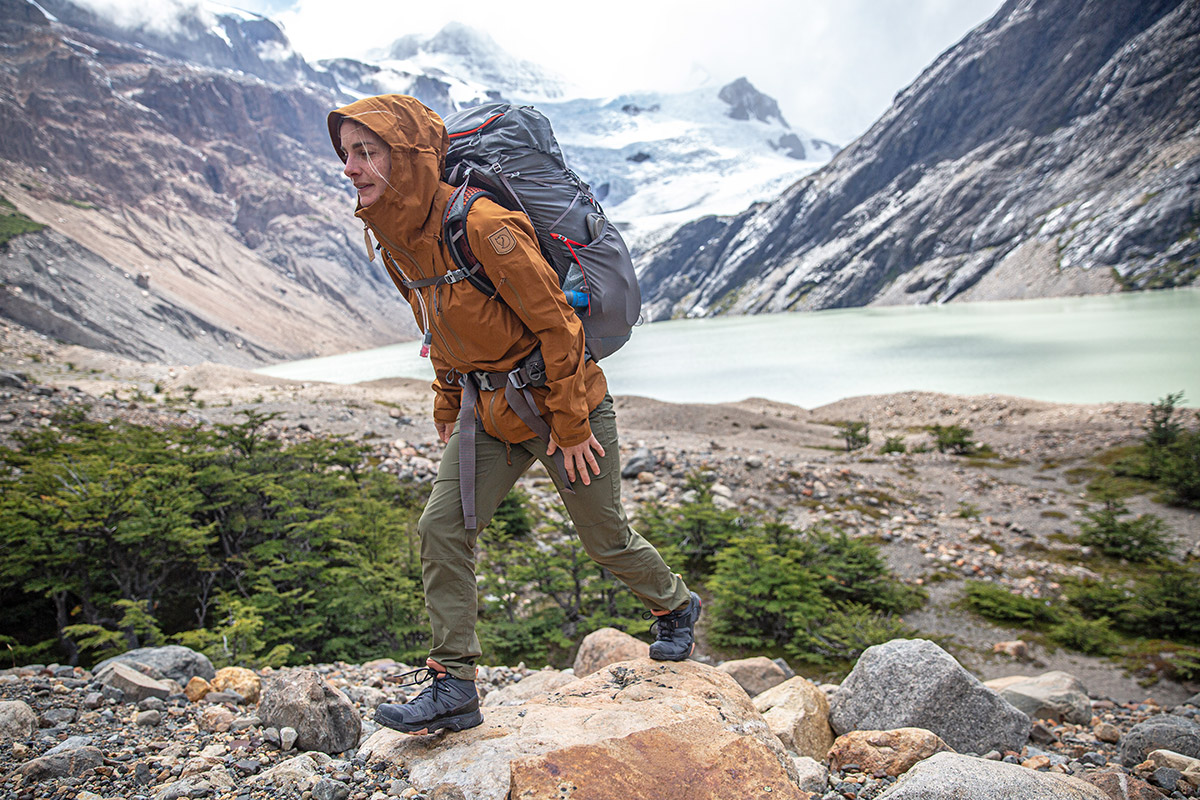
394	149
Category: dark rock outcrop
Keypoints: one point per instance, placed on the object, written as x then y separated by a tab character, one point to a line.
1053	151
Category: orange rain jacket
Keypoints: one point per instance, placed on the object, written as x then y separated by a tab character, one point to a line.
472	331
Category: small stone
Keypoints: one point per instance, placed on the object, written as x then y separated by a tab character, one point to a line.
287	738
148	719
1107	732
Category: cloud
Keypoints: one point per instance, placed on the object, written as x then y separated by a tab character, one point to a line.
160	17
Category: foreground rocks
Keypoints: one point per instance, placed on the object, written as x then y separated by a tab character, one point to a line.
915	683
624	731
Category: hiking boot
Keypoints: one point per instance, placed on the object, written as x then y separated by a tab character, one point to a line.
448	702
676	632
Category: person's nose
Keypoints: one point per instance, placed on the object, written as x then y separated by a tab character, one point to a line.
352	167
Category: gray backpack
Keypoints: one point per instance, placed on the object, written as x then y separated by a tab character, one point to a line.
508	153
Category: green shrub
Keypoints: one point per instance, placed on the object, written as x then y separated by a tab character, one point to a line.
994	602
1091	636
695	531
1140	539
13	223
119	535
846	632
857	435
1180	469
952	439
893	444
820	596
1184	664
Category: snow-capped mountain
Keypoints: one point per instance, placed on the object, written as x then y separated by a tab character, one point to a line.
657	161
654	160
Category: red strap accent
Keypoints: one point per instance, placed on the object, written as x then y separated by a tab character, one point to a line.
569	243
474	130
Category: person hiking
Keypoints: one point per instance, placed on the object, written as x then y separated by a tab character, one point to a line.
394	151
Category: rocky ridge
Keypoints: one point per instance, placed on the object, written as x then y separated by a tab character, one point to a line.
1053	151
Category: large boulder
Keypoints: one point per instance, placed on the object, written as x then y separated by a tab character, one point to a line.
1162	732
913	683
797	712
715	764
172	661
1057	696
17	721
755	675
324	718
950	776
607	646
663	703
892	752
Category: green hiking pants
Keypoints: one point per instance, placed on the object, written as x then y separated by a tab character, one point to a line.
448	548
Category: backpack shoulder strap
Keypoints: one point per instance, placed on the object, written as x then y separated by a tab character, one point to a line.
454	234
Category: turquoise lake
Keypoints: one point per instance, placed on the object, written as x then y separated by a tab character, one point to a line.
1122	347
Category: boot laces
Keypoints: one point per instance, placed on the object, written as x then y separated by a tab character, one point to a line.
664	624
419	676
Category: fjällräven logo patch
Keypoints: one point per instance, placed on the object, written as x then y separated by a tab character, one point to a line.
503	241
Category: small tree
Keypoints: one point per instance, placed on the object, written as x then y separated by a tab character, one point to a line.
952	439
1140	539
1180	468
857	435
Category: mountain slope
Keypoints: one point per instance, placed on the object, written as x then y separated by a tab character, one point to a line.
1054	150
194	213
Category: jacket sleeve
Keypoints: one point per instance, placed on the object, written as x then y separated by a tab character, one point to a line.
505	243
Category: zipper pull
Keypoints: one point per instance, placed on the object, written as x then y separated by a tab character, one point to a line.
425	344
367	242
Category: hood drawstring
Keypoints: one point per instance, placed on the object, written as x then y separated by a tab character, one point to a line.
367	242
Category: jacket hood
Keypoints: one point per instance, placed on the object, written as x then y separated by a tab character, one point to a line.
418	142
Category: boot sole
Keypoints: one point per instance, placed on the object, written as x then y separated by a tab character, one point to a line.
454	722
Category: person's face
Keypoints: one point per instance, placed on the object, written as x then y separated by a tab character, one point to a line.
368	161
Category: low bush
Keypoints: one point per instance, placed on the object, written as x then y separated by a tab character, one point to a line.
1140	539
952	439
994	602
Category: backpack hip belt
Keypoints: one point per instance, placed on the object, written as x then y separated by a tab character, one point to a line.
516	384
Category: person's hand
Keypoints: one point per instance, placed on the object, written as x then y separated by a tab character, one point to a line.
579	459
444	429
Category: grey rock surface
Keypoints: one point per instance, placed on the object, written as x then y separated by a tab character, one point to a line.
172	661
1164	732
134	685
914	683
17	720
1053	695
324	718
951	776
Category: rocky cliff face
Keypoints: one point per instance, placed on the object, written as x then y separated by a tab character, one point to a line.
194	213
1054	151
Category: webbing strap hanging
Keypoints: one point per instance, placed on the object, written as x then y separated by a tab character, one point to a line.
466	451
520	400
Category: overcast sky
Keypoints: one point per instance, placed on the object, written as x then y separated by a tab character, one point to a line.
833	65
